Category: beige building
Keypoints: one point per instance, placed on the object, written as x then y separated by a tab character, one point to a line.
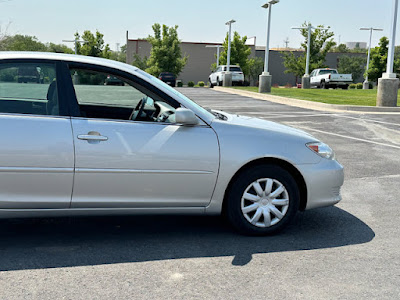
200	58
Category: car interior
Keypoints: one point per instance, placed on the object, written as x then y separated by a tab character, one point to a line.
19	95
97	99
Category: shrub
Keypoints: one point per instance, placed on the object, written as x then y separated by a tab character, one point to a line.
359	86
275	85
200	83
352	86
288	85
179	84
190	84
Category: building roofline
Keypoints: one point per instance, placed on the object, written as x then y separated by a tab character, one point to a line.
194	43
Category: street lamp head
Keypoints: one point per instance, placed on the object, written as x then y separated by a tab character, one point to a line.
266	5
230	22
371	28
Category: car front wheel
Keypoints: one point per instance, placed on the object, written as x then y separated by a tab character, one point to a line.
262	200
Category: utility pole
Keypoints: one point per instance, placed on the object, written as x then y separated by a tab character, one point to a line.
286	42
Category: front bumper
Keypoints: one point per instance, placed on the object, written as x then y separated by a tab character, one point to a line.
323	181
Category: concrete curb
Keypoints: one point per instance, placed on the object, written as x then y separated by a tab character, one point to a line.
310	104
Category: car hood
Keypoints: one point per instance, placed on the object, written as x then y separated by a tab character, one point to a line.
256	123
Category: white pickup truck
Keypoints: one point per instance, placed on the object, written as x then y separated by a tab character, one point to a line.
329	78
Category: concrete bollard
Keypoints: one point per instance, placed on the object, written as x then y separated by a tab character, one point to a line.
305	82
265	83
227	80
387	92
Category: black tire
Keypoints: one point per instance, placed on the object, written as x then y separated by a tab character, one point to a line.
323	85
219	82
233	209
210	83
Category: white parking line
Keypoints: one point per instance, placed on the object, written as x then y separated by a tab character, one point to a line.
349	137
369	120
291	116
376	177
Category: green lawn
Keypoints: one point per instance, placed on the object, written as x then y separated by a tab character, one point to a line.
338	96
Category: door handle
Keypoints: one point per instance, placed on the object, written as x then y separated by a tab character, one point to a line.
92	136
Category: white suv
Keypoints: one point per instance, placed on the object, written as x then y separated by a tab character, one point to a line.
216	77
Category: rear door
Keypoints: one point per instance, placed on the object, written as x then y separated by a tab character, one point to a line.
36	149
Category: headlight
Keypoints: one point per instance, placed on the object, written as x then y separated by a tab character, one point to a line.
321	149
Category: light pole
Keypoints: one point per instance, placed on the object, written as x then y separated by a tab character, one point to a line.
227	80
305	80
265	79
388	85
366	83
218	47
75	41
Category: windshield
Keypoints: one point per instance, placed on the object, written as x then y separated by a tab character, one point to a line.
171	89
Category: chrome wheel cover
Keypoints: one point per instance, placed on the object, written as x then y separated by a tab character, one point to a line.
265	202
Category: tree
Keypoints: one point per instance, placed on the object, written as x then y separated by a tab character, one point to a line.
165	54
378	60
59	48
20	42
239	52
93	44
139	62
119	55
255	66
342	48
377	64
320	43
354	65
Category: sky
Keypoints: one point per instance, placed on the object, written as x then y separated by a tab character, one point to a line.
198	21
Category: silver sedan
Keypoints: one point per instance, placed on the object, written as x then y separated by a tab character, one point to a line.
73	145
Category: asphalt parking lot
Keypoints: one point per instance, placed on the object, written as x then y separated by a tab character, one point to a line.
350	251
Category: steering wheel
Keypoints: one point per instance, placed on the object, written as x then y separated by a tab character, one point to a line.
137	112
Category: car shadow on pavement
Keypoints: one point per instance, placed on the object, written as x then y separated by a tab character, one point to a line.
68	242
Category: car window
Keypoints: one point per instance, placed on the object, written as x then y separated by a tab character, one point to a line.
106	96
28	88
235	69
175	92
322	72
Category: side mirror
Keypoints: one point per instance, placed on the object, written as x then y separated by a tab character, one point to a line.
185	116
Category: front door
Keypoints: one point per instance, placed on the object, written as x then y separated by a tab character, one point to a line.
137	158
